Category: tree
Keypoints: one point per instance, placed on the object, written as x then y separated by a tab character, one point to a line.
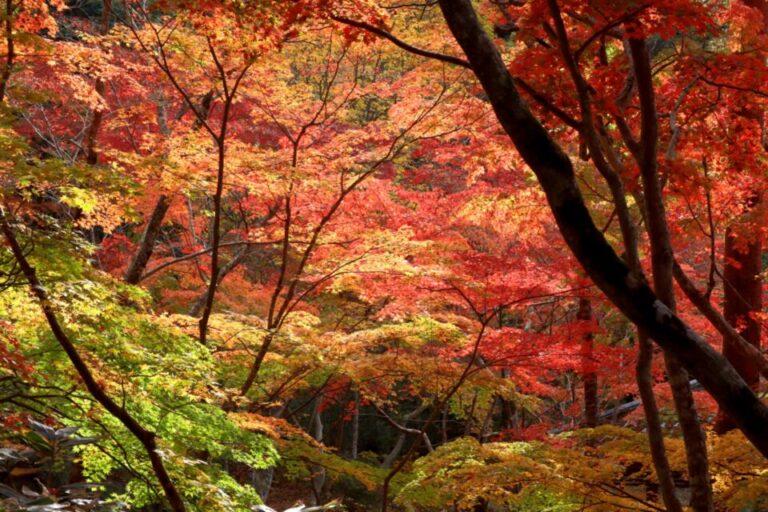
399	308
629	292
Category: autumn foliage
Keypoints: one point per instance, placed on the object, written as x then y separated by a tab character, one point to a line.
383	255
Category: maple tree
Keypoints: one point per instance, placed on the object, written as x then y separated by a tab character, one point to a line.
452	255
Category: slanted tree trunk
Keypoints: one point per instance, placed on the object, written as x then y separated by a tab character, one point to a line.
147	438
261	480
97	115
390	459
197	306
147	243
627	290
742	296
152	229
394	452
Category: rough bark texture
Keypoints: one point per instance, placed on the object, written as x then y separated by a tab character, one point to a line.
147	243
629	292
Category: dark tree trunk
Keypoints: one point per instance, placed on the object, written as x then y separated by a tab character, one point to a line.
147	438
355	425
147	243
97	115
627	290
662	260
589	375
653	423
743	295
743	288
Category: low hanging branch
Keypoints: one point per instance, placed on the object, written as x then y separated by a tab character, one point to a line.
436	410
147	438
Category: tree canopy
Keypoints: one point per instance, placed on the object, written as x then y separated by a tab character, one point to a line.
383	255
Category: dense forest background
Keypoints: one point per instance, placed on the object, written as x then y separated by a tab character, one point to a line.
502	255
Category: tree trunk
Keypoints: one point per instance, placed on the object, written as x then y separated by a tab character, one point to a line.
355	425
743	288
318	472
394	453
627	290
693	436
91	154
743	295
588	366
662	261
655	434
197	306
147	438
147	243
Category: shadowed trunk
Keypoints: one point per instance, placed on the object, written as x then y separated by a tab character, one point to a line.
588	367
355	425
97	115
653	424
147	243
628	291
662	261
318	472
743	296
743	288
